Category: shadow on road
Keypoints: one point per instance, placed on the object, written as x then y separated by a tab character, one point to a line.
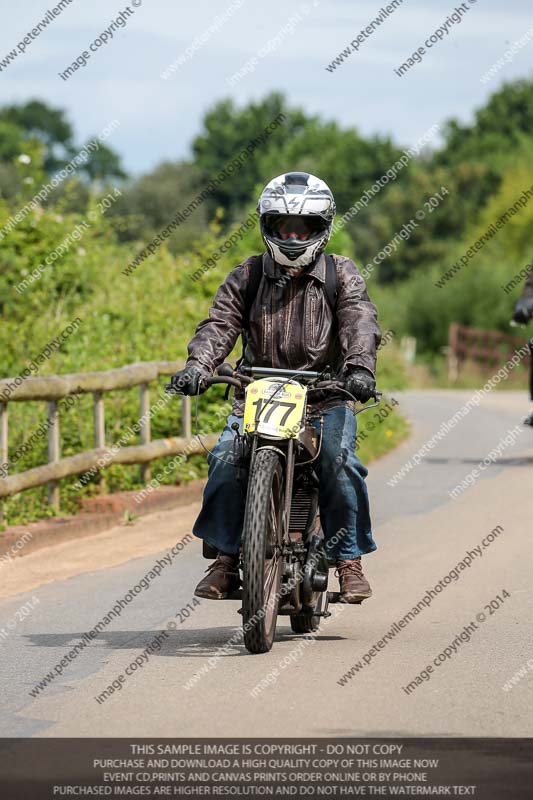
518	461
188	643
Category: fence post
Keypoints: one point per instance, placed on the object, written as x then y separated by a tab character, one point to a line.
53	451
186	429
3	437
408	349
530	370
453	352
145	427
99	432
3	448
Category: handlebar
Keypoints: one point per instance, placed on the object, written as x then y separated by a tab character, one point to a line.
268	372
227	375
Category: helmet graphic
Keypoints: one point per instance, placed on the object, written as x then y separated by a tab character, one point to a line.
296	212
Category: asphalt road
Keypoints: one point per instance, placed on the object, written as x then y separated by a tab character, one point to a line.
422	534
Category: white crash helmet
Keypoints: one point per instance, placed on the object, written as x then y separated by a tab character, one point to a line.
296	194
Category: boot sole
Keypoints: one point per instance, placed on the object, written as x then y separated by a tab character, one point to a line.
209	594
354	598
206	595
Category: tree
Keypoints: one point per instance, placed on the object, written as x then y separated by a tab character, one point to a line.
497	126
346	161
50	126
226	131
149	202
103	163
472	163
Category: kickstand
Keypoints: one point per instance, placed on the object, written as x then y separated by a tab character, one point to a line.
323	612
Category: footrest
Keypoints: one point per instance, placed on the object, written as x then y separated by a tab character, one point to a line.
336	597
235	595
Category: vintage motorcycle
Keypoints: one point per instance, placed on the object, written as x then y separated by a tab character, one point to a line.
283	560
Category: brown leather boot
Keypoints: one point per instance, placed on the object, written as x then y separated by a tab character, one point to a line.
222	578
354	587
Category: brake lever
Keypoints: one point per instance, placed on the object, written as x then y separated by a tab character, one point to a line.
377	399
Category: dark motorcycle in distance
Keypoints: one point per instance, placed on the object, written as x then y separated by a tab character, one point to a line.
529	419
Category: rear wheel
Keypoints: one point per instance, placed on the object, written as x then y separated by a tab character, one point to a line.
262	551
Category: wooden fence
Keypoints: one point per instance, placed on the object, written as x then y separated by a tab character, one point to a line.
488	349
57	387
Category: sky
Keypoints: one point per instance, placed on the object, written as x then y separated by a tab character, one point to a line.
287	47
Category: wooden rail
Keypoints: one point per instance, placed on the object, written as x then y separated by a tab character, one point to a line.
489	349
56	387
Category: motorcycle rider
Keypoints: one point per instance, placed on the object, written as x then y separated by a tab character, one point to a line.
523	312
292	325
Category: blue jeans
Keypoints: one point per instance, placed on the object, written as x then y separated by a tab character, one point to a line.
343	497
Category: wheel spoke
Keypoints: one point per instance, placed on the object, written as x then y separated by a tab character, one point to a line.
272	538
271	571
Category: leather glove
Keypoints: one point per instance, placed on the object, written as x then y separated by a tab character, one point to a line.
361	384
523	310
188	381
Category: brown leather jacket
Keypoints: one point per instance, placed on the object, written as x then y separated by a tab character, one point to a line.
291	324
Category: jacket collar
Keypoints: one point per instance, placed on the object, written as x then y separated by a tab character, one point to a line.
273	270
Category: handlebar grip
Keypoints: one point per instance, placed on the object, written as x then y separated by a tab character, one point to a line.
171	389
222	379
340	385
225	370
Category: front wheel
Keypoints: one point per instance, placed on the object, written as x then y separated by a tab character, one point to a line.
262	551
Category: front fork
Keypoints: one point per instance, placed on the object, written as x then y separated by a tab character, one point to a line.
289	480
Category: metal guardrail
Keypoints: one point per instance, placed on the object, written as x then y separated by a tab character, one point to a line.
57	387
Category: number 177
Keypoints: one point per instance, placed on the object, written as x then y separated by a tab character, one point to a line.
274	404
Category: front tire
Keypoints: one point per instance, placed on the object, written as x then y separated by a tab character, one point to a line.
262	541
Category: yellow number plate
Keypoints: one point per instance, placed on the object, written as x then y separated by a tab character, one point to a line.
274	408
